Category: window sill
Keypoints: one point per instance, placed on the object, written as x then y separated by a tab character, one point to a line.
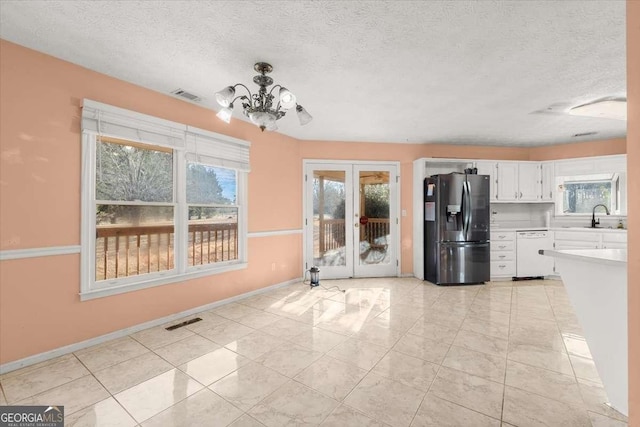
166	280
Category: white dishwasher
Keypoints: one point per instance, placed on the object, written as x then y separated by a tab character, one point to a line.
529	262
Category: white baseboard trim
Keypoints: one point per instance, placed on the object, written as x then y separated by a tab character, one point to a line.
38	252
274	233
61	351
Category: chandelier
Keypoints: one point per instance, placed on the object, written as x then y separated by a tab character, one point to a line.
259	107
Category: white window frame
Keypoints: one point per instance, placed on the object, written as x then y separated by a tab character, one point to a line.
618	184
187	143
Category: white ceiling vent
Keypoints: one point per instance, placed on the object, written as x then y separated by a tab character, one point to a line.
186	95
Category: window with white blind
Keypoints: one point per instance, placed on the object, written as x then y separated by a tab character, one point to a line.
161	201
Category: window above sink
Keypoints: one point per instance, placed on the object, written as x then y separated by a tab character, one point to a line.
582	192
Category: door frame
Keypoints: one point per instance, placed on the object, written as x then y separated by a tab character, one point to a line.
396	240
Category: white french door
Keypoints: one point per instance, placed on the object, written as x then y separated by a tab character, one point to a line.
351	218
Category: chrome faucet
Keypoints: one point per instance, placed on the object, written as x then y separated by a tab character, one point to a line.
593	216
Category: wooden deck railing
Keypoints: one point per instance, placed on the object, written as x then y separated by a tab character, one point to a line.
374	229
123	251
331	233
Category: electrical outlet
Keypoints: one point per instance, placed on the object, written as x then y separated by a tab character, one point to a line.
273	266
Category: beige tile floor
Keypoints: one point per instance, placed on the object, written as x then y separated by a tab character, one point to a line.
388	352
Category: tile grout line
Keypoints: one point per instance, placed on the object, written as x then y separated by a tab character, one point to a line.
343	402
506	361
105	388
452	344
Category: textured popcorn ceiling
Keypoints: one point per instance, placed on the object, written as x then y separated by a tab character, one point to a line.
395	71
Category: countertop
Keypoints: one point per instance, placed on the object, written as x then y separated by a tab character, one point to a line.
587	229
617	257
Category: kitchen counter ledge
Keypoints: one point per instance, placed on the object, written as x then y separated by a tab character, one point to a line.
616	257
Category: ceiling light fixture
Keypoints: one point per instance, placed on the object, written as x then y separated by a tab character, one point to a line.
259	107
606	108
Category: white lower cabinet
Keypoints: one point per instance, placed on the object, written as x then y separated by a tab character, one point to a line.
505	257
568	239
614	240
503	254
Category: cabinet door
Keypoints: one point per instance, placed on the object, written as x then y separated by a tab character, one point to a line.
529	181
548	181
614	245
489	168
508	181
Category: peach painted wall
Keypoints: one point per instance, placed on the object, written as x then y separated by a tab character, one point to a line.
40	309
633	159
579	149
40	206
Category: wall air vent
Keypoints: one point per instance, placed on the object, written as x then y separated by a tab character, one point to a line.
578	135
186	95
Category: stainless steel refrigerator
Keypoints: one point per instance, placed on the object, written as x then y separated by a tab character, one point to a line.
456	229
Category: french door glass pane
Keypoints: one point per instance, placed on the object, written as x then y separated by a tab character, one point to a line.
374	217
329	218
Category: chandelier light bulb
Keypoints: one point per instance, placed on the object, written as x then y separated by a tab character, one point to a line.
287	99
225	96
225	113
303	116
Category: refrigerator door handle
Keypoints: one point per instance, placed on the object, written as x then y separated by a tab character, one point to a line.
465	209
469	208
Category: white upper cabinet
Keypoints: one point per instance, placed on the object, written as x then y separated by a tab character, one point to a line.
519	181
529	181
548	184
508	181
489	168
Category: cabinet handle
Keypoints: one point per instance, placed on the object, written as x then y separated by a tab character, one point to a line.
550	194
521	194
501	256
502	266
516	195
502	246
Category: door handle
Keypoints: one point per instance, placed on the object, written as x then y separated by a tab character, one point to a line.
469	206
466	214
